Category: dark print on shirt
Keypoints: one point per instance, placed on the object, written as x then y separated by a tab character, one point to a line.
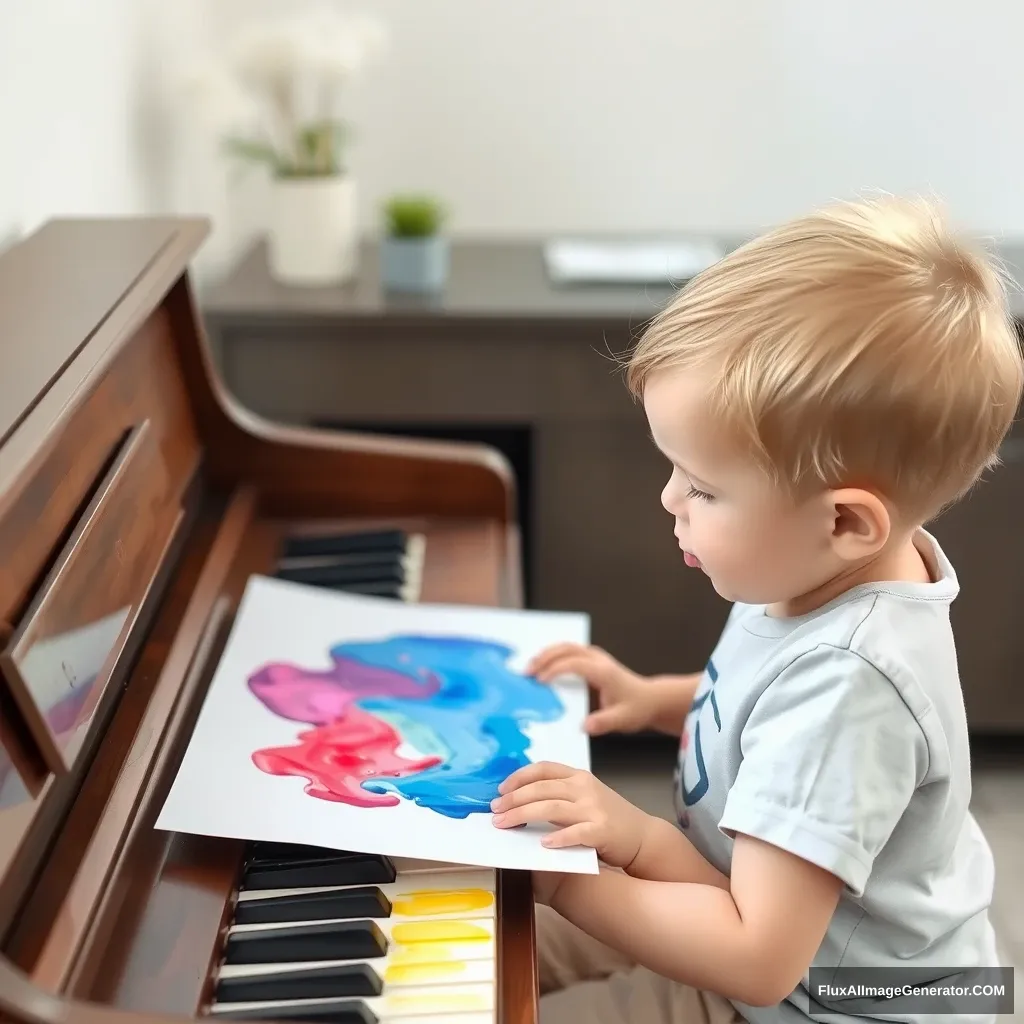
687	796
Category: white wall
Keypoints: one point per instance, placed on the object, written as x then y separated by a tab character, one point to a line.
84	118
546	115
626	114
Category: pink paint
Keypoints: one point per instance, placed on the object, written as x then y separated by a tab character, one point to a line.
302	695
339	757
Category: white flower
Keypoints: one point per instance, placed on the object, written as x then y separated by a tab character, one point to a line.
322	44
217	97
292	71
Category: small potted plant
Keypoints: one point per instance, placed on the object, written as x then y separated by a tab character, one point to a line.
414	253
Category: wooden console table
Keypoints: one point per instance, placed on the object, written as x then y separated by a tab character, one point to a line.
505	354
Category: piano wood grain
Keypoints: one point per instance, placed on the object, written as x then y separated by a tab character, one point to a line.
302	472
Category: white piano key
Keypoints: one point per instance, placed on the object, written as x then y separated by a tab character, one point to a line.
424	1001
415	554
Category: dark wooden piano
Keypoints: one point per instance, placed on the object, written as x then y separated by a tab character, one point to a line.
136	498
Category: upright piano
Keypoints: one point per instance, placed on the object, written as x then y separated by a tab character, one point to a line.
136	498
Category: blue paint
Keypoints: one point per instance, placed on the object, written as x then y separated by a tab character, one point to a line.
478	716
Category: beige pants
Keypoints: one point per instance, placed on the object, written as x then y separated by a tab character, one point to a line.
585	982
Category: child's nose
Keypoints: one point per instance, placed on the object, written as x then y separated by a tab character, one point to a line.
673	501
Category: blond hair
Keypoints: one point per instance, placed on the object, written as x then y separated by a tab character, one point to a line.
864	345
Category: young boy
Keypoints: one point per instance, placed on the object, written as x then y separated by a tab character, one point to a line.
819	394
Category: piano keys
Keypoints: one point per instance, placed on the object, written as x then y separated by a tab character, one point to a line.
381	563
349	936
423	935
134	489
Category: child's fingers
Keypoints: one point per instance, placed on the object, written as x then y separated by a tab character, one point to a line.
554	812
534	772
543	658
546	789
572	663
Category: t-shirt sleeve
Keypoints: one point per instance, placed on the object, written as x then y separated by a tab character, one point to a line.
831	756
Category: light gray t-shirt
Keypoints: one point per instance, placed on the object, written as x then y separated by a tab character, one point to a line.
841	737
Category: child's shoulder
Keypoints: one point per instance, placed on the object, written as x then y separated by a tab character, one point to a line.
882	654
900	629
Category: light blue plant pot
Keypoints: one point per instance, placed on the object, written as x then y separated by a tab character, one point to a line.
417	265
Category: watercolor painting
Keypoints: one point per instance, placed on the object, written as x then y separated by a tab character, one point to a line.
377	726
454	699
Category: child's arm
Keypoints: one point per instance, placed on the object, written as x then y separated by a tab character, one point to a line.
628	702
672	703
744	943
666	855
832	755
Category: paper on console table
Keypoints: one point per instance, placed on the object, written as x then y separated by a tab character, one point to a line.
628	262
312	681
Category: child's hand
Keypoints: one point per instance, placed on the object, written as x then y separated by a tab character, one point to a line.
626	699
589	813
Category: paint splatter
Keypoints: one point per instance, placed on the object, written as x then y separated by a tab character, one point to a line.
453	699
337	758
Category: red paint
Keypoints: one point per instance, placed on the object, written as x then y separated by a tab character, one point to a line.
338	757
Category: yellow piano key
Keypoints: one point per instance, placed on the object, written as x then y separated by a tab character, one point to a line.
407	933
417	894
477	929
404	965
434	952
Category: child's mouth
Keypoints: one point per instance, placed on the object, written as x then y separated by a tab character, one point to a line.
692	560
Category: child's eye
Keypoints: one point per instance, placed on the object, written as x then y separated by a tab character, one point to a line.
701	495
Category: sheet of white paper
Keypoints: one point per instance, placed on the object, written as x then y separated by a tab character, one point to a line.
628	262
220	791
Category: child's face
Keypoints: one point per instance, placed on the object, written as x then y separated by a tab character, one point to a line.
757	545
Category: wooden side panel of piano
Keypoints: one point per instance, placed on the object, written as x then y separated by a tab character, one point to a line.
134	491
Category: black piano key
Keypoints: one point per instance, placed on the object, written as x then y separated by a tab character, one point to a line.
340	980
360	558
325	869
262	850
365	901
332	1011
324	940
341	575
371	589
345	543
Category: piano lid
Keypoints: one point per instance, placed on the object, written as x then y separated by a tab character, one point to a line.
58	286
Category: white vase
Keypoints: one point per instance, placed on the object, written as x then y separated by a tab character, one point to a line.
313	235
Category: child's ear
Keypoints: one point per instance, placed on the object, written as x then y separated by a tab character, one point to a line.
860	523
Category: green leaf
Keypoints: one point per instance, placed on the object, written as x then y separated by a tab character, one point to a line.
413	216
252	151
